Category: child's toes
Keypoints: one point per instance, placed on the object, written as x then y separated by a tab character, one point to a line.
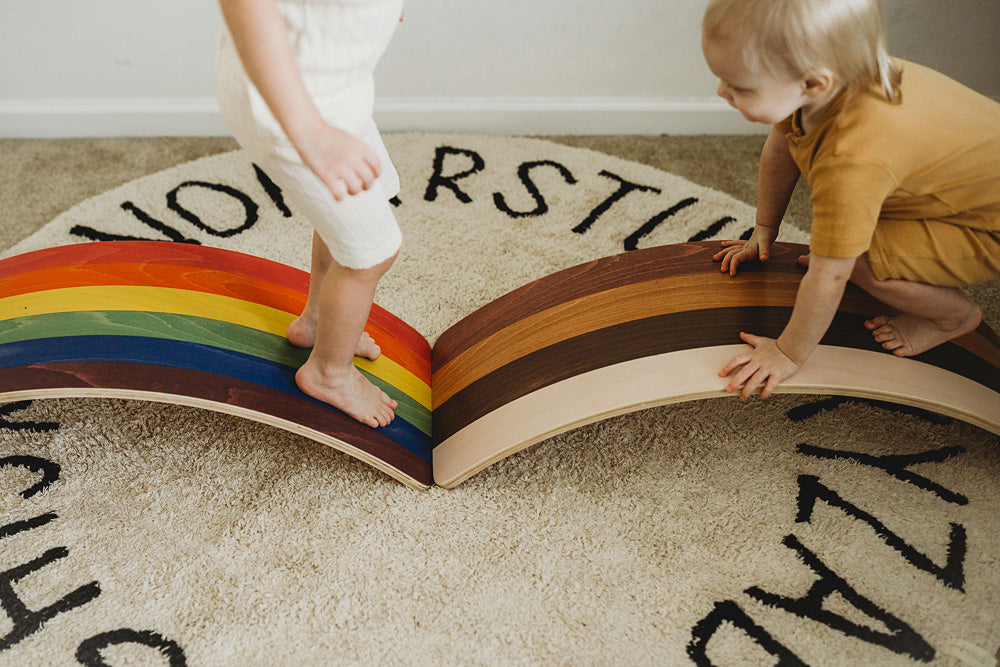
876	322
884	334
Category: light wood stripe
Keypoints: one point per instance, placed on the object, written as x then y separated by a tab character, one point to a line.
693	374
656	335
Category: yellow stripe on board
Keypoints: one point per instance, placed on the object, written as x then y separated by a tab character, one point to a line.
196	304
150	300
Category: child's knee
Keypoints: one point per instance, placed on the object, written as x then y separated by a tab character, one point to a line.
384	266
373	274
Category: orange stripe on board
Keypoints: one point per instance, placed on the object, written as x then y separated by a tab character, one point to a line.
400	330
395	348
199	279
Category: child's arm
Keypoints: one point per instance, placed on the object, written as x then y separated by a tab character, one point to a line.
345	164
773	361
776	180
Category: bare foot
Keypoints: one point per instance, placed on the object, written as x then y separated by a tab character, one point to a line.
908	335
349	391
302	333
367	347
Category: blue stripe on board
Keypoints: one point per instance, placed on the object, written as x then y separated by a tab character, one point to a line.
191	356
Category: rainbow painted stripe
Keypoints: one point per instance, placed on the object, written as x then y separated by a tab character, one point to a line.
202	326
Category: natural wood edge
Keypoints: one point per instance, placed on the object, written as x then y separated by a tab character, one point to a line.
691	375
237	411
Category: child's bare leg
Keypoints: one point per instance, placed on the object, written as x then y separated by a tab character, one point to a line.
343	301
302	331
929	314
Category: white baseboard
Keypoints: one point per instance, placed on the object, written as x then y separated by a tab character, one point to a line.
563	115
499	115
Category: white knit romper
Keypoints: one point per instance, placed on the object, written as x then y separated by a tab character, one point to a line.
337	44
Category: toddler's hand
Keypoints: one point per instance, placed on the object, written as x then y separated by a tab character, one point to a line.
758	246
344	163
765	365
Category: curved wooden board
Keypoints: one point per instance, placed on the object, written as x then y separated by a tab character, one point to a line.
653	327
197	326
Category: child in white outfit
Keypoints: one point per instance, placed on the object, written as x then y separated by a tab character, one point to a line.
295	85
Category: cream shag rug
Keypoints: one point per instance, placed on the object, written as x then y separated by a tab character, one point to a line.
788	531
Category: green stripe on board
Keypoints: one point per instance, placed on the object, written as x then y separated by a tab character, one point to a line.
191	329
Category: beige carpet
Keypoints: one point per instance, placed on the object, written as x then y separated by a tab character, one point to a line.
797	529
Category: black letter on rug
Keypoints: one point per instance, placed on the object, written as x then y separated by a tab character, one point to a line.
273	191
803	412
438	179
632	242
897	464
730	611
89	651
16	527
952	574
249	206
36	427
901	638
712	229
49	469
26	621
524	173
624	187
143	217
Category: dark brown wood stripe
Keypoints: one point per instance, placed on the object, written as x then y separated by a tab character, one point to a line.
599	275
213	388
661	334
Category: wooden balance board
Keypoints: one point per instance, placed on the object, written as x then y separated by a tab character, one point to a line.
655	326
197	326
205	327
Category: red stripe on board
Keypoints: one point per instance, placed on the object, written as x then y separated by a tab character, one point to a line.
157	252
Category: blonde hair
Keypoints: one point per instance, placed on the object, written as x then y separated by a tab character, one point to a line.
798	36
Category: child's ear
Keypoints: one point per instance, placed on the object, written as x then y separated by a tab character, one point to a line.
817	82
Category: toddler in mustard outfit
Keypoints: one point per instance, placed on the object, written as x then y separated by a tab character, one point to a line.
903	164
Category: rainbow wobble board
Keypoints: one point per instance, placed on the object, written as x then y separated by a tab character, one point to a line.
205	327
197	326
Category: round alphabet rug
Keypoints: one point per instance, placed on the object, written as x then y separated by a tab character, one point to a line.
797	530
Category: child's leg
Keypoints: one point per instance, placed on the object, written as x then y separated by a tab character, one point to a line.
302	332
929	314
343	300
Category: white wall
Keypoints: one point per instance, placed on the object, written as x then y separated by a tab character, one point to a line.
144	67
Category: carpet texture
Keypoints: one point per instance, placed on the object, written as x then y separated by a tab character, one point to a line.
805	529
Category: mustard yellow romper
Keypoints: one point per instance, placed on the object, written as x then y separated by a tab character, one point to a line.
916	185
